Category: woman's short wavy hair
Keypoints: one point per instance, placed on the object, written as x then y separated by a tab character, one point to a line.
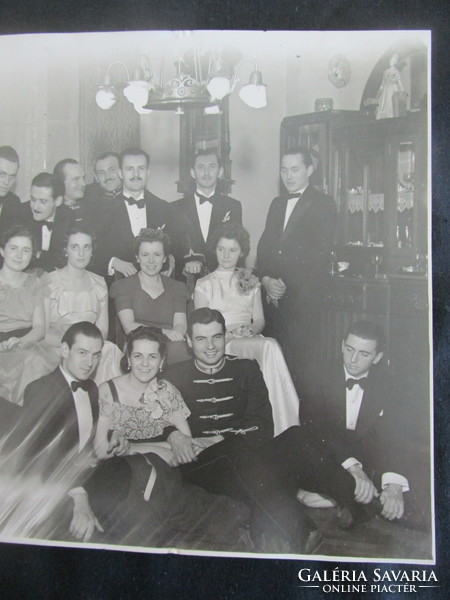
152	235
81	228
151	334
231	231
18	231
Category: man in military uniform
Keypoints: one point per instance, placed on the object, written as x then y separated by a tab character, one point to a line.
230	419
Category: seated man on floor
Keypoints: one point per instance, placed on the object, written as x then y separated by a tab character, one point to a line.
133	500
354	420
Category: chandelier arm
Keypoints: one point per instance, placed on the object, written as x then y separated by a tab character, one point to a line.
238	66
118	63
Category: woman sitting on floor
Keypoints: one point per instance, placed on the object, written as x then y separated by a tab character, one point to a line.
140	404
236	293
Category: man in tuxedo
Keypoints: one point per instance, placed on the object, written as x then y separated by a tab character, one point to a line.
132	210
54	434
71	173
204	211
107	185
98	197
354	420
10	205
49	220
293	261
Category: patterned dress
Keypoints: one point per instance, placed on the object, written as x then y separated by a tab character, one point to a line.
162	405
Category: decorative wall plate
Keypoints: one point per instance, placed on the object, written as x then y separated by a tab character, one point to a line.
339	71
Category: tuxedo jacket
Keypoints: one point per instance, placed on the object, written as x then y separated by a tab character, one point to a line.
12	212
225	210
48	430
117	238
378	441
300	254
54	257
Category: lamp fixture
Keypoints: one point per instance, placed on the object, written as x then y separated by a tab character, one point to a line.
188	89
253	94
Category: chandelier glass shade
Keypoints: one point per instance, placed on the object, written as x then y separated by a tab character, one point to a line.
188	89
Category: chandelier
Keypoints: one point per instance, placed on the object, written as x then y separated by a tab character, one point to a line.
190	88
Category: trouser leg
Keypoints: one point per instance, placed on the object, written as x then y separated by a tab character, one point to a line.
278	522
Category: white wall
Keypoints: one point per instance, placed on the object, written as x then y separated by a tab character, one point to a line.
39	103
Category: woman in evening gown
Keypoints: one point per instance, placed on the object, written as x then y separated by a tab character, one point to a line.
73	294
23	354
140	404
236	293
152	299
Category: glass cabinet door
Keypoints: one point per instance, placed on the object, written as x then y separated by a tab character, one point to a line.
403	153
364	196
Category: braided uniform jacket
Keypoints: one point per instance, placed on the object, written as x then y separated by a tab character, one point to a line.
232	402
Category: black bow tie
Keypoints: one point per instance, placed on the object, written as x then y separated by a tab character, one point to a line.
48	224
139	203
84	385
352	382
203	198
289	196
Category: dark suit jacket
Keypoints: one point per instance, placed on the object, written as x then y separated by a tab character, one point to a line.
299	255
117	238
48	428
378	440
54	257
225	210
12	212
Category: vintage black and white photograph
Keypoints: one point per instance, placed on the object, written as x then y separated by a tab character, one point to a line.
215	292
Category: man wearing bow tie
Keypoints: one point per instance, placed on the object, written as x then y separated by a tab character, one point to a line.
54	437
134	209
205	210
49	220
354	418
293	260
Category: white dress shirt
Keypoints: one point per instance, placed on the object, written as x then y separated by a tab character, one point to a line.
138	221
137	216
83	410
46	235
353	406
204	214
291	204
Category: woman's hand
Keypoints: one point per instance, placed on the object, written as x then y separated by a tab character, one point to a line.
242	331
173	335
12	342
182	447
118	445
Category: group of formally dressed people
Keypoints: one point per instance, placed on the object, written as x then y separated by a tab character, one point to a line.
185	428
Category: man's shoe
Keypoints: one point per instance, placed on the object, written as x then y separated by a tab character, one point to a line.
344	517
350	515
313	542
